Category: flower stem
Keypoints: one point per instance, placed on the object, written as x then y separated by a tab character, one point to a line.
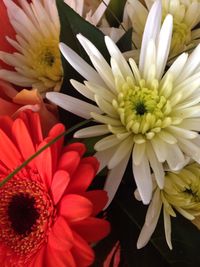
72	129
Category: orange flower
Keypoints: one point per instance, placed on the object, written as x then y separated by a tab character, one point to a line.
46	215
12	102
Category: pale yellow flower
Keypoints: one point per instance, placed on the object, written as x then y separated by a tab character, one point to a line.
181	193
37	61
186	16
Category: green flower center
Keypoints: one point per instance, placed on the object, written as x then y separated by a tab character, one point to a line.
141	109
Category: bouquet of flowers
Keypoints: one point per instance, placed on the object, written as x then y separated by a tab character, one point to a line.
99	133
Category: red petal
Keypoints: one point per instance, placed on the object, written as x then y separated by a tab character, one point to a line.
57	147
83	254
39	259
9	154
43	164
32	121
61	238
59	258
99	198
81	179
92	229
59	184
6	125
78	147
69	161
93	161
113	256
23	138
75	208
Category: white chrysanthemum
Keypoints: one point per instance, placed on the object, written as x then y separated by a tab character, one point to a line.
37	61
186	15
141	112
181	193
91	10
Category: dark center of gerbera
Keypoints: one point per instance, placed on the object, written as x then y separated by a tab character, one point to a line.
22	213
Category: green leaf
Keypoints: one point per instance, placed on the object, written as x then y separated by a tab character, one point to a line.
125	42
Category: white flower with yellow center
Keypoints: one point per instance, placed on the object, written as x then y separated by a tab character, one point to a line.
181	193
186	15
142	111
37	61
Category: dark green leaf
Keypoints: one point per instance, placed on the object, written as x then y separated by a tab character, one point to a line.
125	42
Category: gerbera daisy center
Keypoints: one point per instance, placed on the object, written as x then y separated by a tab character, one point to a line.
22	213
26	213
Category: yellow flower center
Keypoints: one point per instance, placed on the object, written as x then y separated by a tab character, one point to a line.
181	36
44	58
182	190
141	109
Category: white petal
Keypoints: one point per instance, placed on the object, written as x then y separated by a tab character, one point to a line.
164	42
114	179
143	179
159	147
167	226
107	142
151	30
152	217
98	61
92	131
117	55
71	103
104	156
82	89
122	151
181	132
106	107
80	65
191	66
138	153
156	166
175	157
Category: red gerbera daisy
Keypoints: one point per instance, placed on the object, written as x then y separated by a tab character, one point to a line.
46	215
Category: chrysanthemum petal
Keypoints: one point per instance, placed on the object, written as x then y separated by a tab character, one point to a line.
164	42
114	178
143	179
167	226
71	103
80	65
156	166
151	30
151	220
98	61
92	131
